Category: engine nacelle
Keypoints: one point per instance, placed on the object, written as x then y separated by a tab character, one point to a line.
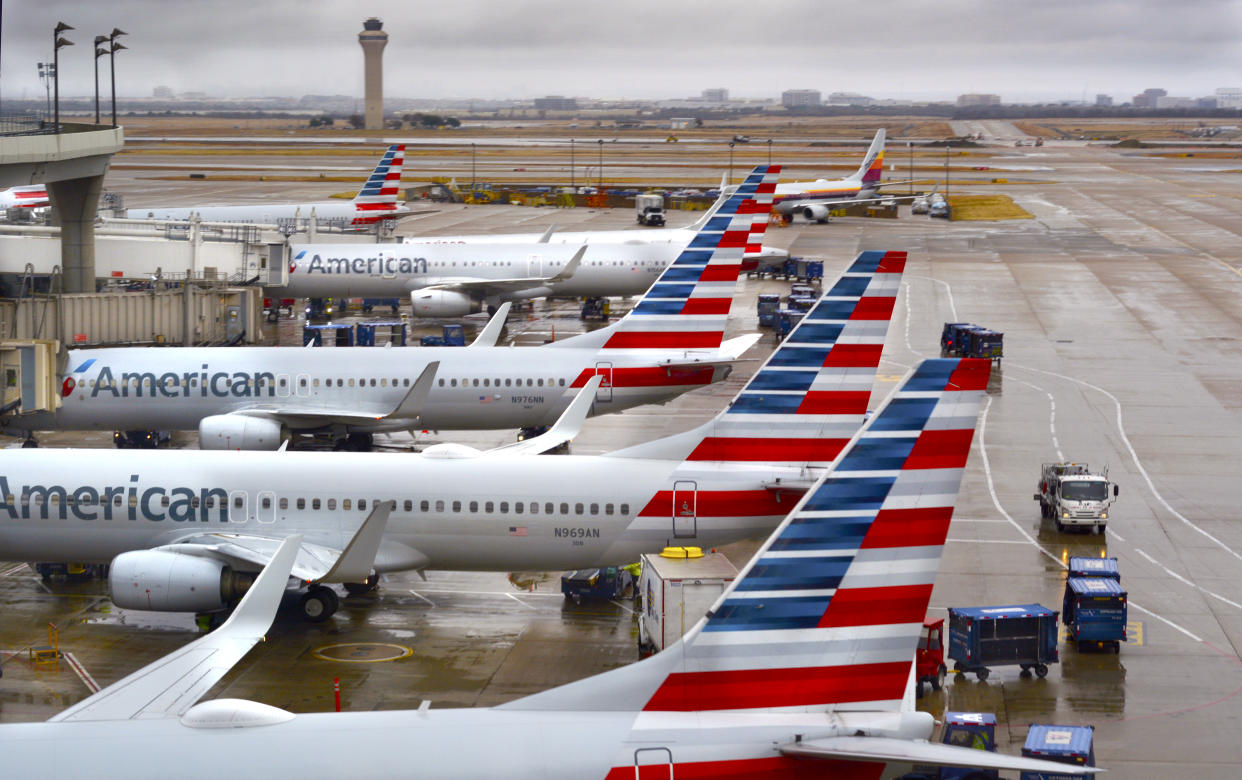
239	432
815	212
163	581
443	303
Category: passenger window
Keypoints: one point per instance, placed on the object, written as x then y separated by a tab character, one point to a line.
441	383
577	509
456	506
595	509
607	509
372	383
351	381
548	508
193	502
534	507
439	506
453	383
517	507
489	507
266	502
530	383
315	504
238	502
423	506
315	383
409	505
384	382
346	503
625	509
508	382
302	382
474	506
564	508
284	503
487	383
504	507
340	383
331	503
362	505
562	382
406	381
301	503
540	383
476	383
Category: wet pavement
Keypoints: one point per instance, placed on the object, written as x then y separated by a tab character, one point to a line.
1122	318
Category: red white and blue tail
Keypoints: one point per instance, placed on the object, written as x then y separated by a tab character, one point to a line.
827	614
688	306
379	194
811	396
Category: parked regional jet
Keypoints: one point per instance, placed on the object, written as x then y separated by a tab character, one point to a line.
254	397
815	199
376	200
33	196
452	279
182	528
801	668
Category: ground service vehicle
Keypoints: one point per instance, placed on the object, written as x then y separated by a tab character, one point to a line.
768	305
453	336
1022	634
677	587
605	583
1073	496
929	657
1094	612
964	339
976	730
649	209
1082	566
1063	744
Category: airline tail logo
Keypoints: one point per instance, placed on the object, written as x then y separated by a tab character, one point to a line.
687	306
876	170
811	396
379	194
828	613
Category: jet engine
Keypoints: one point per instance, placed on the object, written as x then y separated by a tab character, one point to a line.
164	581
443	303
815	212
239	432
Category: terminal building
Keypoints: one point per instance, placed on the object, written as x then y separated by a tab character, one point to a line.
800	98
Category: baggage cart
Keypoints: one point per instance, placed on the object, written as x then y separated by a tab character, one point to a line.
1072	745
768	305
1094	612
605	584
1023	635
1094	567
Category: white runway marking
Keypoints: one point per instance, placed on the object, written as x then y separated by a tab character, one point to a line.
81	672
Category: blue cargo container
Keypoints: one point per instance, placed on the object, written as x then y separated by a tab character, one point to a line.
1024	635
976	730
1063	744
1094	610
339	334
964	339
1094	567
768	305
786	321
366	332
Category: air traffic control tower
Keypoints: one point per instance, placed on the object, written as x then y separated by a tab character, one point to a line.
373	39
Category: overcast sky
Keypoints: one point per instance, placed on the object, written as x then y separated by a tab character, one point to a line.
911	49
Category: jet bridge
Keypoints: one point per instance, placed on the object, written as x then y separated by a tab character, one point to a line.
29	369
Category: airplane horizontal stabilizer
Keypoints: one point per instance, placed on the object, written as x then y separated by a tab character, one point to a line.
906	751
171	685
565	429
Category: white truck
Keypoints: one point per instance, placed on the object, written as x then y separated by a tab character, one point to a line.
1075	497
649	209
677	587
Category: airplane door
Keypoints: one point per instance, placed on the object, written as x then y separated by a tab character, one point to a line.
303	386
282	385
237	506
653	764
685	509
604	392
267	507
534	265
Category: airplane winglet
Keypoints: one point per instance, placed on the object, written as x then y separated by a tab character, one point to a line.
491	332
170	686
570	267
547	234
565	429
355	563
412	405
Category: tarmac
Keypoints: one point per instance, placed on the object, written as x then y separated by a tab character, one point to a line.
1122	317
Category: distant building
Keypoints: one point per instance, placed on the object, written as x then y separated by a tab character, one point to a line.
164	93
798	98
978	99
1208	103
849	99
1103	100
1229	97
716	95
1172	101
1147	98
556	103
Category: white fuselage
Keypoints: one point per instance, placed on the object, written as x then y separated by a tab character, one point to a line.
392	270
269	213
498	513
478	388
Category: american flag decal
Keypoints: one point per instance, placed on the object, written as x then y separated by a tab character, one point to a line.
517	530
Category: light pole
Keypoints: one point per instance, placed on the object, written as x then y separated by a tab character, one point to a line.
473	178
58	42
769	151
910	148
571	166
112	36
601	166
730	162
98	53
946	171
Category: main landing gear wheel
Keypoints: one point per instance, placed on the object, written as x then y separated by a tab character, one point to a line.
1041	670
362	588
318	604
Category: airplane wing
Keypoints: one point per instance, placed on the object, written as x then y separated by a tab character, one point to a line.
171	685
565	429
500	286
408	408
907	751
491	332
311	563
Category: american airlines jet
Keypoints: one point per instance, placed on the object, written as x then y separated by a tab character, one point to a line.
33	196
801	669
184	529
376	200
255	397
815	199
